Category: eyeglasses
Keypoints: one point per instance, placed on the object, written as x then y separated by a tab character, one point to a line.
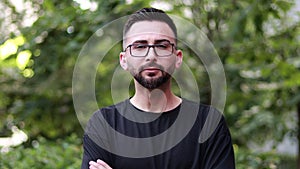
162	49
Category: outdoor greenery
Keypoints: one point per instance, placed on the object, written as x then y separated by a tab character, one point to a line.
40	40
45	154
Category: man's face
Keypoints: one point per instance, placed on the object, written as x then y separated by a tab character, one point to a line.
152	70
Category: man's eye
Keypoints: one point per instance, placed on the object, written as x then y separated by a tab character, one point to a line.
137	46
162	46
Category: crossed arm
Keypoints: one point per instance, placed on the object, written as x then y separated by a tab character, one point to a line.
99	164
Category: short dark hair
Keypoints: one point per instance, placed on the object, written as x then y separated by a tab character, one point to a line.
149	14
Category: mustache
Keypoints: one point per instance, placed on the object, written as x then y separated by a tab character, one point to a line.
152	64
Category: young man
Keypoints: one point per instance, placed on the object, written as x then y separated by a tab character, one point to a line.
143	131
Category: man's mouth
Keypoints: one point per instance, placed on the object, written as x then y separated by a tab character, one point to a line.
151	71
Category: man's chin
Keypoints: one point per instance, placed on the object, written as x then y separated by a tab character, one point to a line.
151	82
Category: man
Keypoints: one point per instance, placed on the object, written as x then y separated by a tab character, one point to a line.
151	56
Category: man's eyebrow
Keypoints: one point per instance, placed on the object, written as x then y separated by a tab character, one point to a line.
156	41
161	40
140	41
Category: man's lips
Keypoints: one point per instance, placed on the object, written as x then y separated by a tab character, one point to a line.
151	71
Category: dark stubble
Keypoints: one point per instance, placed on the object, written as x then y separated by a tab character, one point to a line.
152	83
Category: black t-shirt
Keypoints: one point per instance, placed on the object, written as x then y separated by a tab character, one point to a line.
191	136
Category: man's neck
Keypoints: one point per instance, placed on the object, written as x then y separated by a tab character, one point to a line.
156	100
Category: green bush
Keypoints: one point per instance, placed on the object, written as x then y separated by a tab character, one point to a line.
246	159
67	154
60	154
287	161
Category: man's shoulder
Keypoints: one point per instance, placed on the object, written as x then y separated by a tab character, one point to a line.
201	106
107	113
205	111
111	109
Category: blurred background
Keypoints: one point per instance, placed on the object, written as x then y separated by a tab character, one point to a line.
258	43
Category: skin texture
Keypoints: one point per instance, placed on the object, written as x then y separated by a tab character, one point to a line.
150	68
151	31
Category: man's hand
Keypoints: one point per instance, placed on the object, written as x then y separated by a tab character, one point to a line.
99	165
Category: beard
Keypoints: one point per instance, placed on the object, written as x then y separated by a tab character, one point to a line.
152	83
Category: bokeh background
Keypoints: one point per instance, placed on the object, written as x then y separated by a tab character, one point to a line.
257	41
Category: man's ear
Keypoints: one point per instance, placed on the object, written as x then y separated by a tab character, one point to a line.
179	58
123	61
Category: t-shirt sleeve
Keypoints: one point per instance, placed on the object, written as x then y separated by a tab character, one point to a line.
218	152
94	142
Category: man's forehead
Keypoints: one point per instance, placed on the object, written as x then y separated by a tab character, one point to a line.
150	31
150	27
149	36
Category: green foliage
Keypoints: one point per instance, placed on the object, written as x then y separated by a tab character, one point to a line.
46	154
38	97
268	160
67	153
261	63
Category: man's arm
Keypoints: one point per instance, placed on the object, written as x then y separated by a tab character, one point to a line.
92	153
96	141
218	148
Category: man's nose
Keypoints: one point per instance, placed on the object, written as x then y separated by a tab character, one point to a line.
152	56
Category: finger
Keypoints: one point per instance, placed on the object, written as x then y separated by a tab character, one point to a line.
103	164
94	165
98	167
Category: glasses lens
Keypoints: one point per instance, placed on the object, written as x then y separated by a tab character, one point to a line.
139	50
164	49
161	49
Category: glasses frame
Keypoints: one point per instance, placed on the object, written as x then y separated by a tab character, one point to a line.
151	46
